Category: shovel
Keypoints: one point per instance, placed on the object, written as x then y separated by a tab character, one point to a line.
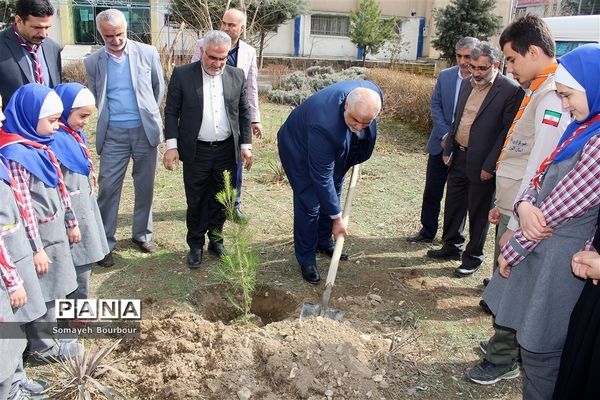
323	309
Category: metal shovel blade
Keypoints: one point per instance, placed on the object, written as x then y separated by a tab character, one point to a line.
315	310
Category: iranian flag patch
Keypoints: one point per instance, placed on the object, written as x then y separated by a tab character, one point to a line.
551	117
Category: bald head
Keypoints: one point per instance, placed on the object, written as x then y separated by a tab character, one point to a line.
361	107
233	23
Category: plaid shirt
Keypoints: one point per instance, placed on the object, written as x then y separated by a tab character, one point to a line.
574	194
22	178
9	272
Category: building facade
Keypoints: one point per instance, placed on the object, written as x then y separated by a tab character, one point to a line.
323	33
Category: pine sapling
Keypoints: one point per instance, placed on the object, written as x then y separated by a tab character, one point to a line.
238	267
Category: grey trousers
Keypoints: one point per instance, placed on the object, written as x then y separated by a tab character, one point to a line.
119	146
41	341
540	371
83	280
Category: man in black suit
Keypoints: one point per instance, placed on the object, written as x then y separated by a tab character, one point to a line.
487	104
27	54
207	125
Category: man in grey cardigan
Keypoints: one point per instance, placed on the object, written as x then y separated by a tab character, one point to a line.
126	78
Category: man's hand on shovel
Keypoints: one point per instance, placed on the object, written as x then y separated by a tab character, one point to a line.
340	227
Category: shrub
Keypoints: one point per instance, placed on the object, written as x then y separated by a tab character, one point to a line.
291	97
406	96
74	72
297	86
319	70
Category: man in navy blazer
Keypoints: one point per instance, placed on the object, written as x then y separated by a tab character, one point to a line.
26	42
322	138
443	104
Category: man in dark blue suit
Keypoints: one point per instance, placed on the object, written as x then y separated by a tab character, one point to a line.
322	138
443	104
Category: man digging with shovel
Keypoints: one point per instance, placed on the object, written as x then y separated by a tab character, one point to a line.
322	138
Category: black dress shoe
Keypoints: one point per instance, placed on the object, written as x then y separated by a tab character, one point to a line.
311	274
217	249
146	247
418	237
194	258
107	261
444	254
486	281
329	253
465	270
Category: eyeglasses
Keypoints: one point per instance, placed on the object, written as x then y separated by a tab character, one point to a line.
472	68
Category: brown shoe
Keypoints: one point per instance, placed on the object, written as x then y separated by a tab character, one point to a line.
107	261
146	247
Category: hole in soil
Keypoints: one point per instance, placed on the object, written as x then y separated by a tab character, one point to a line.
269	304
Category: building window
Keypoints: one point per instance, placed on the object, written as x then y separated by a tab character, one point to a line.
330	25
520	11
137	14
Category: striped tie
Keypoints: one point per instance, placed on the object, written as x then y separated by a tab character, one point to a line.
32	49
79	140
537	179
537	82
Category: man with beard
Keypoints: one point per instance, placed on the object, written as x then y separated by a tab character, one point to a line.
126	78
487	104
207	121
443	104
27	54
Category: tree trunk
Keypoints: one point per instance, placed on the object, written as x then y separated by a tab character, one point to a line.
260	49
364	60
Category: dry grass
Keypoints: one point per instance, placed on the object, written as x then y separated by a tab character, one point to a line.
407	96
74	72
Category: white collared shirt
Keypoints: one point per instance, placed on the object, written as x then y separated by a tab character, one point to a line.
215	125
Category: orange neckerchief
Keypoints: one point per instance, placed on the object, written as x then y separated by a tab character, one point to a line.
537	82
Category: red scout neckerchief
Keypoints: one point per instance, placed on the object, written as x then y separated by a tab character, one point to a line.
537	179
12	138
79	140
23	211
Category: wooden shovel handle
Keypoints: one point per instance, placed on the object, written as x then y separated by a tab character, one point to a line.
339	242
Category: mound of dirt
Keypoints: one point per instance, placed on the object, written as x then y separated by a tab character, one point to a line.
180	355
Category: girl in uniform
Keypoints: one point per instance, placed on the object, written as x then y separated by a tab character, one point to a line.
69	146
